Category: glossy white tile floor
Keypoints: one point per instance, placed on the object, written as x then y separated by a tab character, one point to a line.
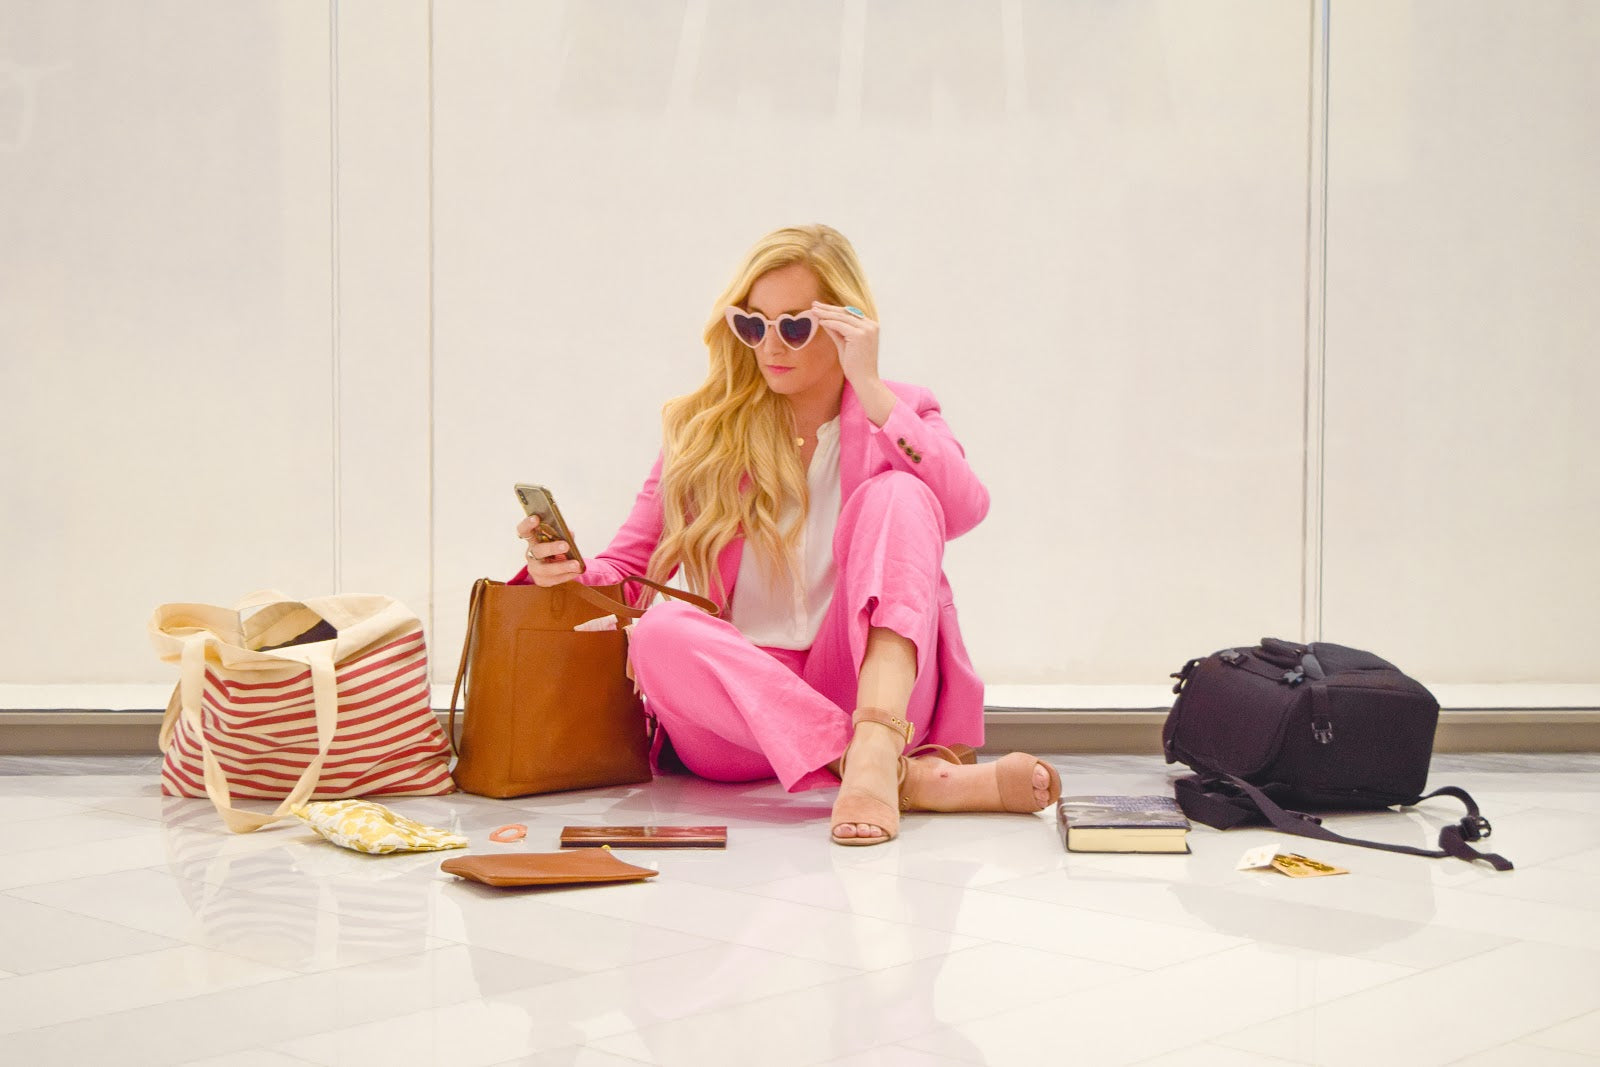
134	930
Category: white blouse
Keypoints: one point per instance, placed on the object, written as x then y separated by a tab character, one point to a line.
762	609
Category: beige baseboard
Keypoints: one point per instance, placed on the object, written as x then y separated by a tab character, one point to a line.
1134	732
1129	731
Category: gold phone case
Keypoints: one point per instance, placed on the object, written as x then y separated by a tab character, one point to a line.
537	500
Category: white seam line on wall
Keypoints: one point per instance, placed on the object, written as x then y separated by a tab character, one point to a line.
432	630
852	49
333	254
687	58
1014	47
1313	476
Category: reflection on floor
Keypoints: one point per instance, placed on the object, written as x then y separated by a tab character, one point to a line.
134	930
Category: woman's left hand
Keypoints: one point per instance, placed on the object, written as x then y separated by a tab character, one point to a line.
856	337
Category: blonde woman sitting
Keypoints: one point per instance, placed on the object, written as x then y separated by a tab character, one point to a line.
812	501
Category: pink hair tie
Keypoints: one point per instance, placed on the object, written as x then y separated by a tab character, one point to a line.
508	833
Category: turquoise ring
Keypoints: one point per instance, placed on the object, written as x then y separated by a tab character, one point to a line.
857	312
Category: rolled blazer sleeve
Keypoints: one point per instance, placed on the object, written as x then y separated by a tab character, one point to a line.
916	439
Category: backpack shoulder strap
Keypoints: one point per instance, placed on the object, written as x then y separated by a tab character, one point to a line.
1252	804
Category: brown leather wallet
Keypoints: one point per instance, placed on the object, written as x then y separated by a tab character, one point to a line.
546	868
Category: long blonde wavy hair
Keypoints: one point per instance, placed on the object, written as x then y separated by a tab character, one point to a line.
730	465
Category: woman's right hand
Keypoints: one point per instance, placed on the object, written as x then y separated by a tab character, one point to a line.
547	560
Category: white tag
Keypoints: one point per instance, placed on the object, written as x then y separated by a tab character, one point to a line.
604	622
1257	857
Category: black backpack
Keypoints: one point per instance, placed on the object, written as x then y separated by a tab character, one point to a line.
1320	727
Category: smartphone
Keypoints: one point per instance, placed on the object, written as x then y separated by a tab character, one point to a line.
536	500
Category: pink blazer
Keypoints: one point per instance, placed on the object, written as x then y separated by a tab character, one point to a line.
914	439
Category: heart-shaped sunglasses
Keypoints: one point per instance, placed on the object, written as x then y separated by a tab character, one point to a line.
793	330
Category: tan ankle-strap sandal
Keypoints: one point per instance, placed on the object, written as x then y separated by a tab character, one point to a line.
855	805
1013	783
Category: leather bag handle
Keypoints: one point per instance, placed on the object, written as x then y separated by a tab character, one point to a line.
473	606
621	609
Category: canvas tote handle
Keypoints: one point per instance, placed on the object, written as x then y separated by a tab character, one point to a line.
262	598
325	693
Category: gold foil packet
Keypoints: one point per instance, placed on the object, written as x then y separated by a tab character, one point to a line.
1290	863
1297	866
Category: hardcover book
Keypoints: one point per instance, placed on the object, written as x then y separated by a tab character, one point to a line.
1122	824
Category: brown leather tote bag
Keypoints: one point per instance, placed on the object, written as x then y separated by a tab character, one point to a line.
548	707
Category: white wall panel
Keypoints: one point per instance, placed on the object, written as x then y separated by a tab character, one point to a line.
1085	224
1463	484
164	320
252	256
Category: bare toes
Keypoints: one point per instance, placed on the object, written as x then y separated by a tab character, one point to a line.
1041	785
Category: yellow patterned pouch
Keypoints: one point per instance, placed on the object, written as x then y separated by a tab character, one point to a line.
367	827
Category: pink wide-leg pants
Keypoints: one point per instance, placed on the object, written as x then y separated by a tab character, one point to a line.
737	712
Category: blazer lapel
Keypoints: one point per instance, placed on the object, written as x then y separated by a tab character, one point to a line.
728	568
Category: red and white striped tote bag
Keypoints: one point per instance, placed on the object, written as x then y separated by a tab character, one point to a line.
298	700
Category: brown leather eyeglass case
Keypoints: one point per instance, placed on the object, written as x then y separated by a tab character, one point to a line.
644	836
546	868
